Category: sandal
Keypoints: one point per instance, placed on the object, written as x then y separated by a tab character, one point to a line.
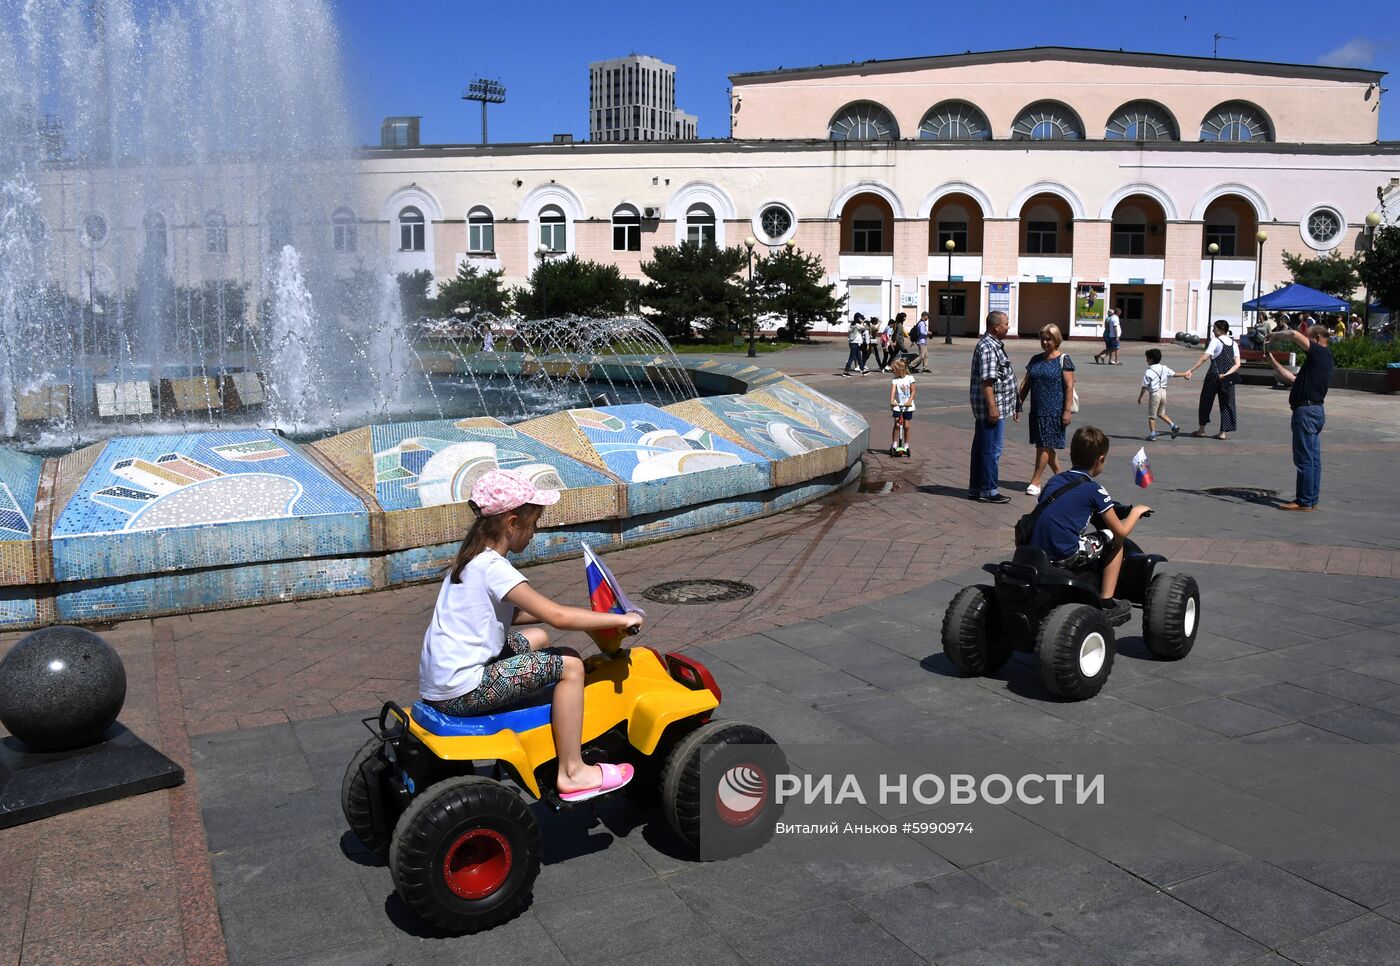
614	777
1199	434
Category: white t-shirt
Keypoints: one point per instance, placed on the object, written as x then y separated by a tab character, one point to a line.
469	627
1113	326
1217	345
857	334
1155	378
904	392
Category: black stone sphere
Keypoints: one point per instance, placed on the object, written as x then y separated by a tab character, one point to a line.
60	688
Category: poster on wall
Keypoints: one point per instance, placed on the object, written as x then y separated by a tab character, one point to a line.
999	297
1089	303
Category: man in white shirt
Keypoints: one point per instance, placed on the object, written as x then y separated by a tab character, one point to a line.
1112	329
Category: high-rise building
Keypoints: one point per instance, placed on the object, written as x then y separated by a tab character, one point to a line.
633	98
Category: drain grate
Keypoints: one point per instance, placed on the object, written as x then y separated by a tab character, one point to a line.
1242	492
698	591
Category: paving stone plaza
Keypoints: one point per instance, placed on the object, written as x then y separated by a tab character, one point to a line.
1250	789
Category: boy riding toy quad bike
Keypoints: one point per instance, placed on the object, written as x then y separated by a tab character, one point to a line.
464	847
1058	613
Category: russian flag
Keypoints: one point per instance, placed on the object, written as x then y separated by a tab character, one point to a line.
604	594
1142	470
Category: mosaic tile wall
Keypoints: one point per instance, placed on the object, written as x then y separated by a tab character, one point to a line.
141	526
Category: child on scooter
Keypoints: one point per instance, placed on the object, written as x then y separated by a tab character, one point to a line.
474	663
902	391
1062	529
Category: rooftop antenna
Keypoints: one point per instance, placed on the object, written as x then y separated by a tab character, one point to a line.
487	92
1215	50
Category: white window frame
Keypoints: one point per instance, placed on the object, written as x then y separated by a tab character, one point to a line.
481	231
554	229
699	231
1331	243
761	232
345	236
416	230
628	220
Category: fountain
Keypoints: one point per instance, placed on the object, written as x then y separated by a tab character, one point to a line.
209	393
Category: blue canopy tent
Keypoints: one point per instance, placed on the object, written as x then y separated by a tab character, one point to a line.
1297	298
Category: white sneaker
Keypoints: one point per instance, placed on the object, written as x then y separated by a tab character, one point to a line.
1033	490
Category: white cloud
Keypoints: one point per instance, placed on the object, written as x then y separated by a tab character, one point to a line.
1356	52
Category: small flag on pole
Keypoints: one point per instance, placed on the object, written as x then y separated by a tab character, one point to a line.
1142	470
605	596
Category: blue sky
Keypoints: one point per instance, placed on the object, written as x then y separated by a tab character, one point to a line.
417	56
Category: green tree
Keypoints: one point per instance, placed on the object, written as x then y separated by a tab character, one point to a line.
694	287
1333	274
572	286
471	293
792	284
1380	267
413	294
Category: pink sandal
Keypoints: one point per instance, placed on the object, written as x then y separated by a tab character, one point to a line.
614	777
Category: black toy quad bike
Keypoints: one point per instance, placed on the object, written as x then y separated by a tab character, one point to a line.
1036	606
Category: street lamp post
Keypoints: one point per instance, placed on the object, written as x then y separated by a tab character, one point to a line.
948	246
753	319
1373	219
543	251
1214	250
1261	236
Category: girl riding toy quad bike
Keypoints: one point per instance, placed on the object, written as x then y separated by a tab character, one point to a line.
447	795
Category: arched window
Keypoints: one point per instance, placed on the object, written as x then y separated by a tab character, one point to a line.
867	230
215	233
1222	228
344	234
1236	121
955	121
863	121
1047	121
279	231
553	234
627	229
156	239
1042	230
481	231
411	230
952	226
1141	121
700	225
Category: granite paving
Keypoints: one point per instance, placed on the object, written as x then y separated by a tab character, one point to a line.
1251	788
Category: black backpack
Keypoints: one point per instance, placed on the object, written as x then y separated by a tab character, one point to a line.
1025	526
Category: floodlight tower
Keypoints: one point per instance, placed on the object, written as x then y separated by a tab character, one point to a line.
487	92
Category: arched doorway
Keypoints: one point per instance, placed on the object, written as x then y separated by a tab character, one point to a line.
1137	247
1046	243
867	225
955	302
1230	222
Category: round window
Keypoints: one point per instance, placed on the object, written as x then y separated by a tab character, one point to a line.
774	223
1323	228
94	229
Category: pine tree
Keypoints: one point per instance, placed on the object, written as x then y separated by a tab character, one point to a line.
791	284
1380	267
694	288
471	293
573	286
1332	274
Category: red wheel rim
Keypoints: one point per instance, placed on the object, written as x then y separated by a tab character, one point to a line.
741	794
477	864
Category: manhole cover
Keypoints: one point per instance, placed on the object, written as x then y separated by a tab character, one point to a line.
698	591
1242	492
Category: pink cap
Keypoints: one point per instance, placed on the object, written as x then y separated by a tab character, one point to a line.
499	491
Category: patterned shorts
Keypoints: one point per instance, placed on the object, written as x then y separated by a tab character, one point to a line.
515	674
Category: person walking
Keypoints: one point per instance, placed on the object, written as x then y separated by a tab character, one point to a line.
1049	383
884	347
1308	390
854	343
1112	331
921	344
872	329
992	392
1223	357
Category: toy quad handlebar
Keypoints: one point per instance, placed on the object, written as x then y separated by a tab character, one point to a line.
1123	509
609	640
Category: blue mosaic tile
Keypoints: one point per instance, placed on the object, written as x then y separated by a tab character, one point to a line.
770	432
155	503
19	607
656	526
19	487
435	462
429	563
641	443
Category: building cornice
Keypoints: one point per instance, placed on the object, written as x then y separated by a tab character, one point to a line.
1083	55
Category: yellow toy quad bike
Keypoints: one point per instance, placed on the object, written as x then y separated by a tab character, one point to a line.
463	846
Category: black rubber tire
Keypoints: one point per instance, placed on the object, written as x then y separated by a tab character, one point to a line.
1062	636
647	785
425	834
965	639
1170	599
704	763
354	799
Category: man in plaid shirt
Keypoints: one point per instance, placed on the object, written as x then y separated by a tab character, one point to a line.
993	396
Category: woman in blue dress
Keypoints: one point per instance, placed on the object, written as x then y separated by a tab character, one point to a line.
1049	382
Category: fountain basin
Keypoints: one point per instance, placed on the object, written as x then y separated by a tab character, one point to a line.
142	526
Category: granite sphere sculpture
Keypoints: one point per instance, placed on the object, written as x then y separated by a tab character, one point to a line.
60	688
